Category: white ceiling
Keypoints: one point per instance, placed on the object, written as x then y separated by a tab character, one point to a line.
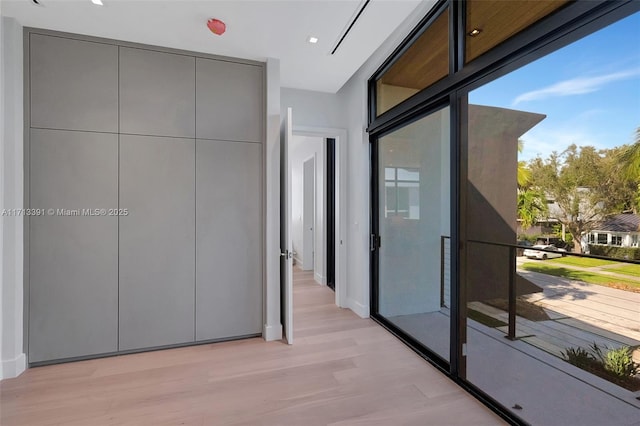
256	29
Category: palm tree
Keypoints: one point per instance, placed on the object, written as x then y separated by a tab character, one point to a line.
524	174
531	207
629	159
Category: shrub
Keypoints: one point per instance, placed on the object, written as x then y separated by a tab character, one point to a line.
614	365
628	253
531	238
620	362
579	357
598	353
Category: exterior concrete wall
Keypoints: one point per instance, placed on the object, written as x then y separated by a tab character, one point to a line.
491	198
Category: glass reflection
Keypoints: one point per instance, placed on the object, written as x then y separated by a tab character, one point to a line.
414	225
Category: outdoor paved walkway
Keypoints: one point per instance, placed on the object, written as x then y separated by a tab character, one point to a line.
616	311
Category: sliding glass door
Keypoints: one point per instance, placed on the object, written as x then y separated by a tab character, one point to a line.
544	168
505	203
411	246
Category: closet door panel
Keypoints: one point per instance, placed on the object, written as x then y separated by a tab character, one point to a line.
74	84
157	241
157	93
230	100
73	263
229	239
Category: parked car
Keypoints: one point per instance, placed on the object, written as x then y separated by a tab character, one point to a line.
536	253
522	245
554	241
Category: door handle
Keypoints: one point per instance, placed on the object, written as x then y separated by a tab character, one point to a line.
374	242
286	254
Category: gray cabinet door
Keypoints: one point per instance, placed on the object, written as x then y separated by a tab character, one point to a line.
74	84
73	302
229	239
230	101
157	241
157	93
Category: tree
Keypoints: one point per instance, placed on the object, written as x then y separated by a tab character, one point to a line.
524	175
628	160
532	207
619	184
575	180
532	203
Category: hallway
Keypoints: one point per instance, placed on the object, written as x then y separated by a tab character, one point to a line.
342	370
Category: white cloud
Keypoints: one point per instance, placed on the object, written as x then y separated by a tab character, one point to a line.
576	86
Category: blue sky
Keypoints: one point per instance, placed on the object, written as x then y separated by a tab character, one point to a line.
589	90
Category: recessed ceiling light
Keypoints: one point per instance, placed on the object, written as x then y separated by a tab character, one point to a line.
474	32
312	39
97	2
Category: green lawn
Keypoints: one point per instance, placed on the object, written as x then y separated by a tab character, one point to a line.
588	277
584	262
626	269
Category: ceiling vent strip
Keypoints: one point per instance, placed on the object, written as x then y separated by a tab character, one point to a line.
357	16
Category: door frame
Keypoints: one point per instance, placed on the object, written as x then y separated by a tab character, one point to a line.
309	258
340	248
329	206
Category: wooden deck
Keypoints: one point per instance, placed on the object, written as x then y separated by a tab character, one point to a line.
342	370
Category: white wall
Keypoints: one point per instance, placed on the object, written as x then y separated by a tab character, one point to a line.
2	202
353	95
272	325
314	109
11	196
348	110
301	149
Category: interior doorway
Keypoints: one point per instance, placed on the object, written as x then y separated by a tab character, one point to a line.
286	217
322	148
313	206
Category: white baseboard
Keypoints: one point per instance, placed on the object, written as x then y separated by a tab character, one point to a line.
361	310
320	279
13	367
272	332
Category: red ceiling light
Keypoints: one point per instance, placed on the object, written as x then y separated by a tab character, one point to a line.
216	26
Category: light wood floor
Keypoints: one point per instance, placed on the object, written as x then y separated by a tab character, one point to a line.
342	370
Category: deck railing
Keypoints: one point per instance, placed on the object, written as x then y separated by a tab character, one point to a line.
445	254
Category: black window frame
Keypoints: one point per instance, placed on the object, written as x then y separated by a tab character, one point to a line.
561	28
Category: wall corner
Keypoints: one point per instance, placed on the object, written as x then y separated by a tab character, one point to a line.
272	325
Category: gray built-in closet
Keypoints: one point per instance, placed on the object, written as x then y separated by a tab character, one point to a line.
176	139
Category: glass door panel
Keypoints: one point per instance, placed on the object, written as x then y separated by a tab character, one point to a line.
540	186
414	227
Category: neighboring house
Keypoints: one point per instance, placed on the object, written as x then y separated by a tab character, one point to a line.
548	225
622	230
